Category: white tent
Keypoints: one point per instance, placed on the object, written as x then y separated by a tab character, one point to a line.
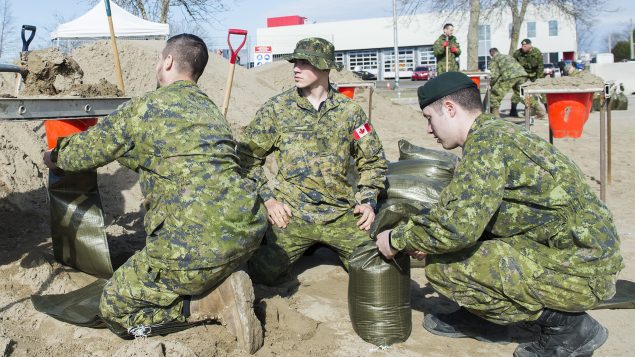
94	24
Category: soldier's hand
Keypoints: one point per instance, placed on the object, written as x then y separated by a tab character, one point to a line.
367	218
278	213
383	244
417	254
445	43
453	49
47	160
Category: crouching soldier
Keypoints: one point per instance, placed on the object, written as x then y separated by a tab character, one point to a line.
203	219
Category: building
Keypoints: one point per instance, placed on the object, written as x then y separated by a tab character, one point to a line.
368	44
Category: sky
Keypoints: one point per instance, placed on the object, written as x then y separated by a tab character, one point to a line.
253	14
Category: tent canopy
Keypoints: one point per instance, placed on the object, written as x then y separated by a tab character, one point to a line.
94	24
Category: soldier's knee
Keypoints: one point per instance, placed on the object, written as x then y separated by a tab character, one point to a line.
268	265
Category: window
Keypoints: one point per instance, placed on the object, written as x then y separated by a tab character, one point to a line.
531	29
406	60
363	60
553	28
426	56
484	40
339	57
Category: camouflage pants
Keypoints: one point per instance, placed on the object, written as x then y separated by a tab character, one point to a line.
516	98
498	283
502	87
271	263
142	294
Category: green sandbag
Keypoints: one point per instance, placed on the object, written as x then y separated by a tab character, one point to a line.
391	215
435	169
624	297
77	223
379	296
408	151
81	308
421	189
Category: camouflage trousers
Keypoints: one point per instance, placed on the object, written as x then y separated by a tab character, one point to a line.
453	66
139	293
282	247
496	282
502	87
534	100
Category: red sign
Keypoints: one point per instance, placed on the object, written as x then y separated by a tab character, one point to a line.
262	49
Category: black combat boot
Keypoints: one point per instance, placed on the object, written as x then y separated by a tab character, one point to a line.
564	334
513	112
463	323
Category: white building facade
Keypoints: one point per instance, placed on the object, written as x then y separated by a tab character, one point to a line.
368	44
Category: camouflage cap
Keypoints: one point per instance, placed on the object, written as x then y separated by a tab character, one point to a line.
317	51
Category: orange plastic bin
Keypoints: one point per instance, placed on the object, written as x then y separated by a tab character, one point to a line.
64	127
476	79
568	112
347	91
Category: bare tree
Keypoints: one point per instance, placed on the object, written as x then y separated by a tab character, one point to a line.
6	25
163	10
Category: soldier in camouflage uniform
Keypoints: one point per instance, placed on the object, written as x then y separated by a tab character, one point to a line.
447	43
505	74
203	219
517	235
530	58
313	132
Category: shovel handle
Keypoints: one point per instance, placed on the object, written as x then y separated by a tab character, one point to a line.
25	42
234	53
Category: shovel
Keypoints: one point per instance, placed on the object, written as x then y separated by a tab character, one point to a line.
232	65
25	48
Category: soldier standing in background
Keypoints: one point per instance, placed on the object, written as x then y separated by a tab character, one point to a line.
446	49
313	131
531	59
505	74
517	236
203	219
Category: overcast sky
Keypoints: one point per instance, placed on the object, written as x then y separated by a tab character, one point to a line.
252	14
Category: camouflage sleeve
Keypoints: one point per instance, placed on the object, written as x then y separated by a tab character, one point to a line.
465	206
437	48
539	65
257	143
370	162
516	55
458	47
494	71
107	141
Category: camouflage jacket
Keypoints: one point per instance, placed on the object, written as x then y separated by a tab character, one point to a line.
524	191
504	68
532	62
182	148
313	150
439	52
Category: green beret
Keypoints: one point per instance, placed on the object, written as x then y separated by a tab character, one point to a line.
442	85
526	42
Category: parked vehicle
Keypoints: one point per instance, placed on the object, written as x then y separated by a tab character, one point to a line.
421	73
551	70
365	75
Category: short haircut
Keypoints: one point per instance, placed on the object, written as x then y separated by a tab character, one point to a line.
447	25
493	51
467	98
189	52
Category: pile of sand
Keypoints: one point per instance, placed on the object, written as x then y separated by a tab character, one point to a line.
582	80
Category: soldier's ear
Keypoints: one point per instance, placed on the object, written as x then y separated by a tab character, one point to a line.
168	62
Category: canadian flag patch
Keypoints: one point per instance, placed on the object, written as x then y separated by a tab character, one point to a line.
362	131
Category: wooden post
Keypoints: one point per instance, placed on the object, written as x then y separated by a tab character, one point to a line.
115	51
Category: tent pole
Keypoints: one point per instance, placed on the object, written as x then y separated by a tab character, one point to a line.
115	51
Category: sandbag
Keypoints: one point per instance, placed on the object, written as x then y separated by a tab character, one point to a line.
379	296
434	169
413	188
408	151
77	223
624	297
395	212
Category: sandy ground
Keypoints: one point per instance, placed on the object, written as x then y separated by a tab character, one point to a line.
309	315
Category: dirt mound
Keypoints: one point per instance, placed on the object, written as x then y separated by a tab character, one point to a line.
50	72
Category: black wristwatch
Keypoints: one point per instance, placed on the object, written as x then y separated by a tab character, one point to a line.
369	201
